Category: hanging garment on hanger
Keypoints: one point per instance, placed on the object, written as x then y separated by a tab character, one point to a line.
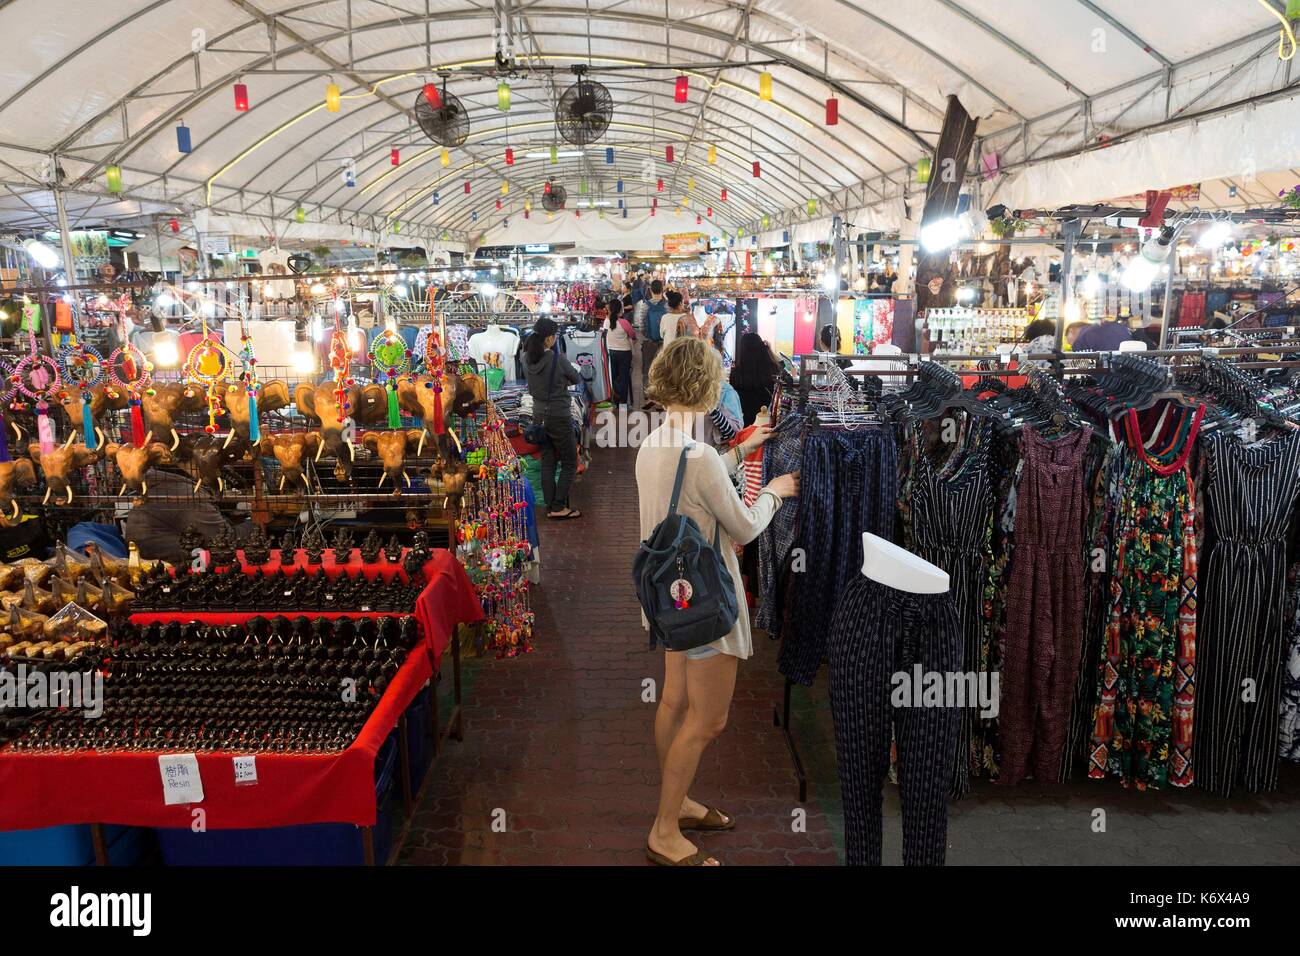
849	485
878	632
1142	722
1289	725
498	340
1044	626
588	353
782	455
951	511
1250	497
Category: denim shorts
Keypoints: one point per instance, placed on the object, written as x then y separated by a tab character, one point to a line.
703	652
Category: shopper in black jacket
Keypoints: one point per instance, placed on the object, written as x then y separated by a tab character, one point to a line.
754	375
549	375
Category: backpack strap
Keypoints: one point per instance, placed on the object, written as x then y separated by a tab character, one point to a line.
677	491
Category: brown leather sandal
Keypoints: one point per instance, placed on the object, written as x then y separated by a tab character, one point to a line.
714	819
698	858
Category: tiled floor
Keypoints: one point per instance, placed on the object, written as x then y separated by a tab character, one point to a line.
558	763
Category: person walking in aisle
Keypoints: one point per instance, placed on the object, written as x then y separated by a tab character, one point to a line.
619	339
549	375
754	375
676	321
649	313
686	380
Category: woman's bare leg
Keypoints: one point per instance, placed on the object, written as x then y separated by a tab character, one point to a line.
669	717
710	684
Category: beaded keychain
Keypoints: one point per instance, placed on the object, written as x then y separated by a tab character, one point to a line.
252	385
37	377
210	364
390	356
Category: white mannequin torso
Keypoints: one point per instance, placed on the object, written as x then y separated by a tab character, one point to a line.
892	566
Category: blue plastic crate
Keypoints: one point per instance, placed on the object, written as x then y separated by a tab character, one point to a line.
72	846
310	844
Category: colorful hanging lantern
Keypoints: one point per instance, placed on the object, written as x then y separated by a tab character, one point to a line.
618	186
183	144
659	187
923	166
698	220
765	86
609	155
668	153
724	193
765	221
682	91
812	207
241	98
510	156
713	155
174	225
832	111
582	187
445	158
758	170
473	217
709	212
498	204
690	184
546	188
333	98
397	225
555	155
210	364
436	198
300	215
113	174
431	96
467	187
395	157
505	188
528	205
624	213
503	96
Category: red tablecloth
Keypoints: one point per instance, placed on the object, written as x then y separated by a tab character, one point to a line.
40	790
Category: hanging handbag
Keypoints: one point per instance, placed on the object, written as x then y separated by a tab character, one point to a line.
682	583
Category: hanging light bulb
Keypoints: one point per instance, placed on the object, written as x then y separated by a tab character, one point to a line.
114	176
431	95
510	156
765	86
333	98
503	96
241	98
683	89
832	112
183	144
395	157
713	155
445	158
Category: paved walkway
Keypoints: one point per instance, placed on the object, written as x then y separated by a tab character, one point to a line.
558	745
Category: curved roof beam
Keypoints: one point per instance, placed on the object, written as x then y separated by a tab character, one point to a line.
166	118
1010	44
1132	37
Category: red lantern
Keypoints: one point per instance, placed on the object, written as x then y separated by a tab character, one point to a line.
668	154
395	157
526	212
660	187
498	203
510	156
577	214
547	189
467	187
652	210
832	112
175	226
756	169
709	212
432	96
241	98
682	90
724	193
698	220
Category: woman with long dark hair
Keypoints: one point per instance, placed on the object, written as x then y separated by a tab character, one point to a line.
549	375
754	375
619	338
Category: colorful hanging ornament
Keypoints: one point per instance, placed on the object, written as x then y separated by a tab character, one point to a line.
183	142
395	157
390	358
241	98
765	86
832	111
82	368
37	377
333	98
340	359
713	155
131	374
210	364
682	89
252	385
510	156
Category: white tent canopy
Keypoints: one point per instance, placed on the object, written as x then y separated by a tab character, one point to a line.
1051	80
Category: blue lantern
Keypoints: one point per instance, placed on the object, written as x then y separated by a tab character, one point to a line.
618	187
183	139
609	155
436	198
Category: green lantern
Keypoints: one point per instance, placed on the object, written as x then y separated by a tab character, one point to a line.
114	176
300	215
812	207
397	225
765	222
923	169
582	187
503	96
555	155
1293	9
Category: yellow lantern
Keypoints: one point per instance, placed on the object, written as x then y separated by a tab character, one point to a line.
446	157
765	86
505	188
332	97
713	155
